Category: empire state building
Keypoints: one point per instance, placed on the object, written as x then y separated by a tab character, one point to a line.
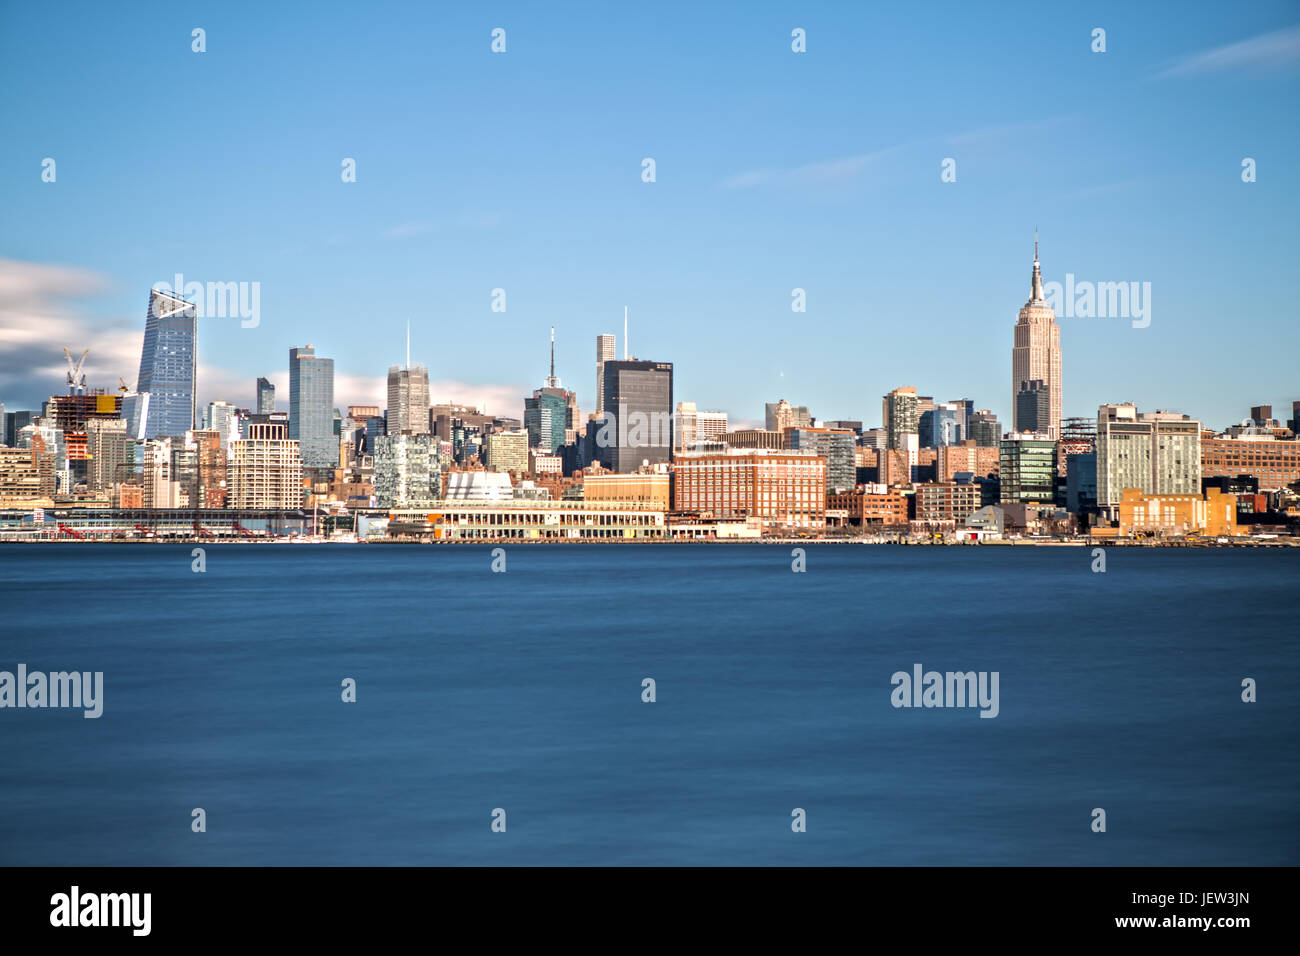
1036	363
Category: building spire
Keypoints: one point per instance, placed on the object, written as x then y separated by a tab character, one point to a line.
1036	283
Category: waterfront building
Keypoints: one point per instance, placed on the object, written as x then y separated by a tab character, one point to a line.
1211	514
652	489
1158	453
1027	468
266	470
530	520
478	486
407	472
781	488
872	506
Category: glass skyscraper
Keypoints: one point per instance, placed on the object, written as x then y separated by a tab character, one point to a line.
637	425
167	365
265	397
311	407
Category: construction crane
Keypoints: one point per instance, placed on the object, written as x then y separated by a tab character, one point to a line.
76	381
122	386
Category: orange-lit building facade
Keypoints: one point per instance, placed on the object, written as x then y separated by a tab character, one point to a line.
781	488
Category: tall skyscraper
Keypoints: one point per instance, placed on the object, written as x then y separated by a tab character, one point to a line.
638	420
408	400
545	415
265	397
901	417
604	353
167	365
1036	353
311	407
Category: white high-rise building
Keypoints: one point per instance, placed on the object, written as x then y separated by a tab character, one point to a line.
1156	452
604	353
1036	352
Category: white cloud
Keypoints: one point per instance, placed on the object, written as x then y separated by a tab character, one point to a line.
1275	50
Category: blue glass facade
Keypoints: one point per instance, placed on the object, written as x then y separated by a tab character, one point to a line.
311	407
167	365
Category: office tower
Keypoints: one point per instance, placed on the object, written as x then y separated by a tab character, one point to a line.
1262	415
168	365
408	400
407	471
604	353
545	417
507	451
901	418
1294	423
1034	407
222	418
311	407
837	446
940	425
106	446
1158	453
266	470
638	424
265	397
1036	353
983	426
1027	468
780	415
14	422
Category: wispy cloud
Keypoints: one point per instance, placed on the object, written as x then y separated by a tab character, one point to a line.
1004	131
1275	50
822	173
407	229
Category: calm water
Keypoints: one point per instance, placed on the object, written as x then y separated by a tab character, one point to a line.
523	691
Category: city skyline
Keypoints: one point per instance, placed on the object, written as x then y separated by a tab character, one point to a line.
909	276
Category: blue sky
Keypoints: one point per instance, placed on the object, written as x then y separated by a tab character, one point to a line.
775	170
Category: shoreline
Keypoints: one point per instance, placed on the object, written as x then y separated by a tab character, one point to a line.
1273	543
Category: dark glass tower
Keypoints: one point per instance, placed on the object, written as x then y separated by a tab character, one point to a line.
638	423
